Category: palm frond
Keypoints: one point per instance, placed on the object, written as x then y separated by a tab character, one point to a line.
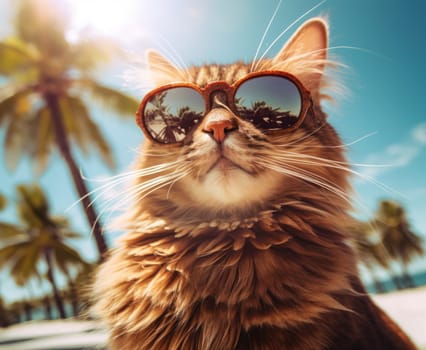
44	139
66	256
42	28
98	140
12	252
12	98
68	234
3	202
62	225
32	206
16	57
84	130
87	54
25	266
16	142
109	98
9	231
71	114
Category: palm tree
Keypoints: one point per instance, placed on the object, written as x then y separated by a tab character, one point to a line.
401	243
15	311
385	239
5	316
159	113
370	251
40	238
42	106
187	118
83	294
3	202
47	306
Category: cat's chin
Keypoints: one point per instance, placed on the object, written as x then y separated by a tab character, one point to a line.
228	185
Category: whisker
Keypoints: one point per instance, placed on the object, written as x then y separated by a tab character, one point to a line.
167	70
285	31
105	204
175	57
264	36
284	158
166	52
117	179
330	48
124	199
186	171
279	162
312	178
172	181
154	186
320	160
149	183
310	65
344	166
144	152
146	188
309	177
345	145
296	141
98	189
361	49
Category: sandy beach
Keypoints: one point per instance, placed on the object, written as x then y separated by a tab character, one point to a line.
407	308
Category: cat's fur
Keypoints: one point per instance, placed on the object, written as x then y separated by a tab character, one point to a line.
255	256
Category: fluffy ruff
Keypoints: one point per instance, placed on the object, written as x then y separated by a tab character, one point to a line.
282	280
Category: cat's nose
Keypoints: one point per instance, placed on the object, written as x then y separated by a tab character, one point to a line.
218	122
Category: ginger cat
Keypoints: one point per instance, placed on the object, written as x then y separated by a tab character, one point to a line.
238	235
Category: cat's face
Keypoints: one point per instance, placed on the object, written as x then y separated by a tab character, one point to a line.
228	165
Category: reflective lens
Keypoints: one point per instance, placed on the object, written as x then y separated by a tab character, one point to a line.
269	102
171	114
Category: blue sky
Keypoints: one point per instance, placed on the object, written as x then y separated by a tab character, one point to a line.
381	42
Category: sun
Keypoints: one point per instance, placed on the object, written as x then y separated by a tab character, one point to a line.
103	17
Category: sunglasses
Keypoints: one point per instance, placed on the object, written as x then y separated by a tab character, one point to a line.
270	100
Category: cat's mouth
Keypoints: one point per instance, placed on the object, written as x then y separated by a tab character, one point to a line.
225	165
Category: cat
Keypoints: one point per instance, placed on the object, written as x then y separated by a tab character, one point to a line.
238	236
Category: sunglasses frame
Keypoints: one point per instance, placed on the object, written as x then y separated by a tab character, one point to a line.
230	90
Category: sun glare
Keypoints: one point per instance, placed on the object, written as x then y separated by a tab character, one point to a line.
104	17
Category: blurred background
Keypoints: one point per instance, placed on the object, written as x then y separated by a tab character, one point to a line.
71	78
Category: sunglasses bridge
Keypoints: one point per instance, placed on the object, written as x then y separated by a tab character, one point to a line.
219	118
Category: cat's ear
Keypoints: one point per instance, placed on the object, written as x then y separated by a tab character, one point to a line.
305	53
161	69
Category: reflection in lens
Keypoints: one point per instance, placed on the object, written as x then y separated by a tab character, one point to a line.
171	114
269	102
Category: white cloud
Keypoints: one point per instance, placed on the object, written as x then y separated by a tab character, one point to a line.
419	133
393	156
401	154
396	155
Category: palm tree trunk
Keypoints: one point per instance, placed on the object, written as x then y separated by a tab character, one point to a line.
51	279
74	300
27	310
65	150
73	295
378	285
47	308
396	281
408	280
